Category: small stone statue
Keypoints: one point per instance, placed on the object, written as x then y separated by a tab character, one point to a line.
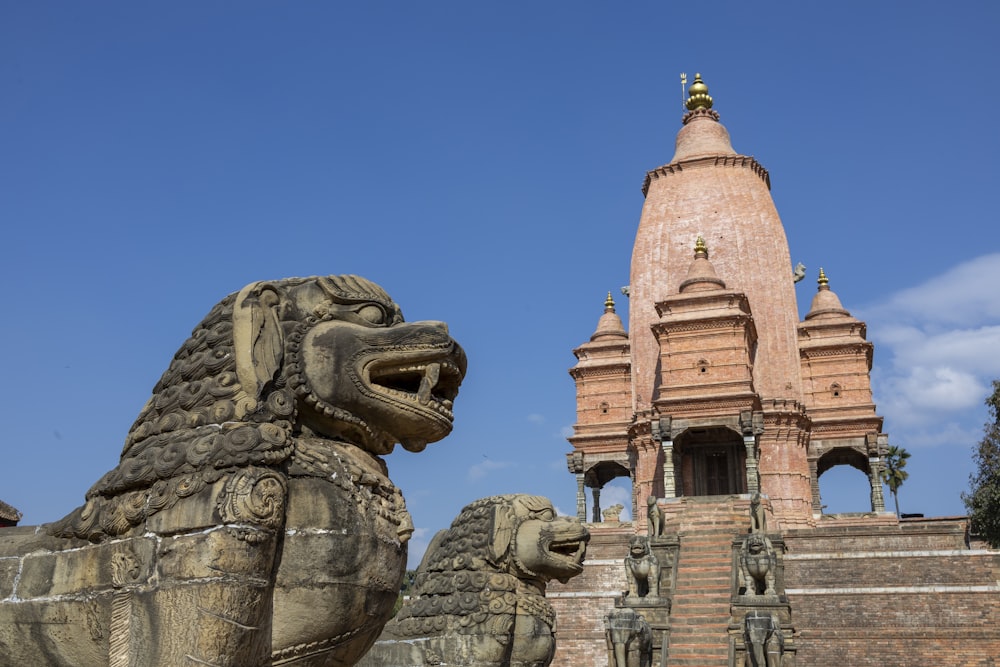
250	520
758	520
629	639
642	569
799	272
654	517
763	639
613	514
758	563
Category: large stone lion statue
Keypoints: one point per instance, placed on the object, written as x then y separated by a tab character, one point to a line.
479	597
250	520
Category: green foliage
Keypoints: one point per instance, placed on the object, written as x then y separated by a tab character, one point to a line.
893	473
983	499
405	589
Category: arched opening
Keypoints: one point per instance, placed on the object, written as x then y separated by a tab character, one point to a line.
604	493
713	461
844	485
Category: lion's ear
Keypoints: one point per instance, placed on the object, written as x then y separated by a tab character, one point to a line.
502	533
257	337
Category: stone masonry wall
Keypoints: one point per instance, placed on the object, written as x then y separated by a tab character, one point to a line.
906	595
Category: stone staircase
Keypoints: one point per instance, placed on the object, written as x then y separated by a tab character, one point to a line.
699	617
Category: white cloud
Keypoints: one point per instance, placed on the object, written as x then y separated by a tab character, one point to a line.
566	431
936	351
485	467
963	296
536	418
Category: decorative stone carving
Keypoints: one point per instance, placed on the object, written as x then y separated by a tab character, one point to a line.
613	514
642	569
479	594
250	520
765	644
758	519
654	518
629	639
758	563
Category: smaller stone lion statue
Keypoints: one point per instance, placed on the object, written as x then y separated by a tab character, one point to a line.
613	513
758	563
479	594
642	569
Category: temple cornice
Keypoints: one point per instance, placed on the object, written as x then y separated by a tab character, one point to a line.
744	161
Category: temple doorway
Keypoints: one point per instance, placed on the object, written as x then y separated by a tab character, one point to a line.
713	462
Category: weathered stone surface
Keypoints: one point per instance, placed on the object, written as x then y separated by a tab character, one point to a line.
642	569
758	565
629	639
480	590
250	520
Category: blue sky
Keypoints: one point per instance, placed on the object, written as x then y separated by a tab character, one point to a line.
483	162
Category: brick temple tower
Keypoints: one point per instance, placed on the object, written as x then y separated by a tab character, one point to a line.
717	388
724	410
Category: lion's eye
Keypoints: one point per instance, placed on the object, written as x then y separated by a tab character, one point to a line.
372	314
546	515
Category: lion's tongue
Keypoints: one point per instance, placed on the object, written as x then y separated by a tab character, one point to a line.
428	382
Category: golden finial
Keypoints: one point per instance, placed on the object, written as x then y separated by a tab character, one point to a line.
698	97
609	304
823	280
700	248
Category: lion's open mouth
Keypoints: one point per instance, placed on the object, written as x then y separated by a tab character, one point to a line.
572	550
433	385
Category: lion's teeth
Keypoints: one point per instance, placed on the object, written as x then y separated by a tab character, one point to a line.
428	382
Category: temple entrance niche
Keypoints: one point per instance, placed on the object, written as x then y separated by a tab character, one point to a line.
712	461
597	478
846	479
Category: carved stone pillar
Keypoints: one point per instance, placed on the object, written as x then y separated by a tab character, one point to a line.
752	425
875	479
876	444
667	446
597	504
669	481
574	461
814	485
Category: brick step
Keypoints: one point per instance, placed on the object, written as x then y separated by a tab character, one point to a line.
717	548
705	570
692	649
695	616
700	591
710	530
689	647
699	624
700	661
692	617
699	565
694	588
709	633
705	578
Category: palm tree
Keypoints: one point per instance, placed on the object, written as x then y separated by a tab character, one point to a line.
893	474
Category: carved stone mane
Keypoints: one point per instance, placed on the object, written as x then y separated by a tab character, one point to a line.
249	494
